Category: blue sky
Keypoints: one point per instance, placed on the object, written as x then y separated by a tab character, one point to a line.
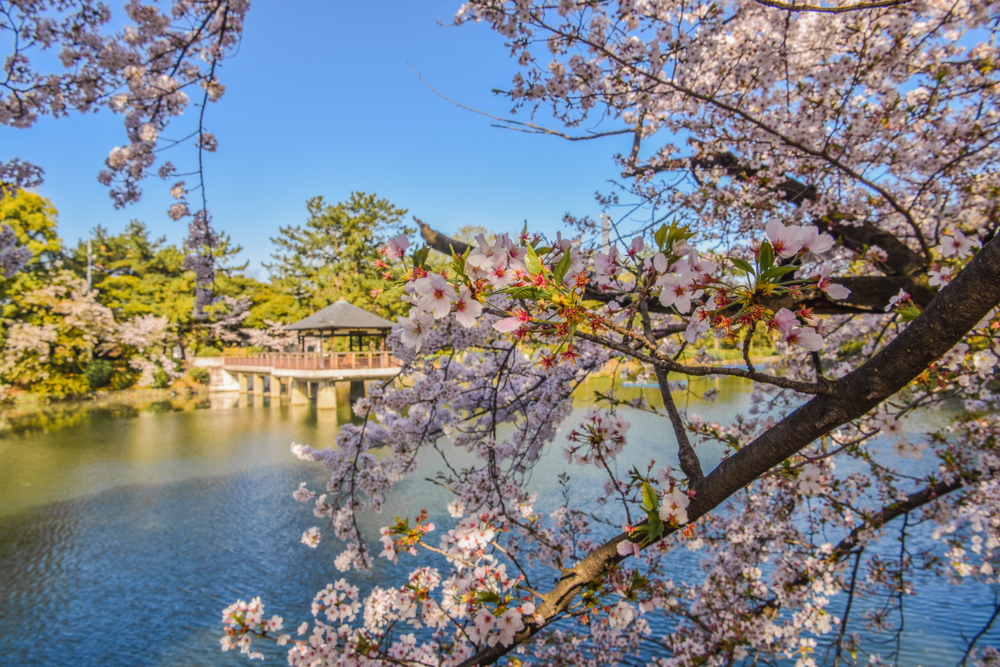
321	100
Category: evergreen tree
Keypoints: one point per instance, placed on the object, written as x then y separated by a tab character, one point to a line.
333	255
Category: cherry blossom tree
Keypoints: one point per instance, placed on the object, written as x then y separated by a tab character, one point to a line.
146	72
823	174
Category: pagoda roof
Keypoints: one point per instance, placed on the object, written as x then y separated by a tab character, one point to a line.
341	315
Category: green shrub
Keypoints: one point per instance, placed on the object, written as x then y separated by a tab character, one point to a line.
99	372
122	380
160	379
199	375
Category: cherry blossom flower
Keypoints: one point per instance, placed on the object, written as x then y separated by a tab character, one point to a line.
487	256
957	244
701	266
621	615
899	298
436	295
467	309
812	241
178	211
941	277
636	247
809	480
834	290
508	624
414	328
892	427
673	506
955	357
606	267
805	337
310	538
904	449
698	325
628	548
396	248
785	320
676	291
786	241
389	546
509	324
985	363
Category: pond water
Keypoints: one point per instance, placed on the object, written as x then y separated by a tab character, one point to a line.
125	530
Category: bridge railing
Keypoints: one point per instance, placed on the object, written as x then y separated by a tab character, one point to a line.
310	361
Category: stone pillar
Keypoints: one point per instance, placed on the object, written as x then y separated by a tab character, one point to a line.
357	390
258	384
241	378
275	387
299	390
326	396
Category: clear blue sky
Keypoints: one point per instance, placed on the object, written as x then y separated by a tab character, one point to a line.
321	100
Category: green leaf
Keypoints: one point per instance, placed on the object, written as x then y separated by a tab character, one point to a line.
661	236
649	498
532	262
742	264
489	596
654	527
909	313
766	256
777	272
420	256
562	267
457	263
530	293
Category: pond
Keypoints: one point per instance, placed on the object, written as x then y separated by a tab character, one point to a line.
125	530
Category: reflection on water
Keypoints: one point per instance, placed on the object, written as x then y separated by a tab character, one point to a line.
124	530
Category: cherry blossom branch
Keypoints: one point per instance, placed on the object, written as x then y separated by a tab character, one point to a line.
982	631
519	126
958	307
842	9
868	293
690	464
656	359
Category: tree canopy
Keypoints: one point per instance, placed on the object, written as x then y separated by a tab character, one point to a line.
333	255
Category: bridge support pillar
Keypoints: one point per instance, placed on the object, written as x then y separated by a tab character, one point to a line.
275	387
299	390
326	394
257	385
357	390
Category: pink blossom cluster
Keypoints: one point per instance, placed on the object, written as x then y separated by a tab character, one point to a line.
601	437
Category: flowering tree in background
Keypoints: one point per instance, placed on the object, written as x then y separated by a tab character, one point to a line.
835	186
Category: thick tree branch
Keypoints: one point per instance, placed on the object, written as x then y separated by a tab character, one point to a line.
956	309
439	241
901	259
